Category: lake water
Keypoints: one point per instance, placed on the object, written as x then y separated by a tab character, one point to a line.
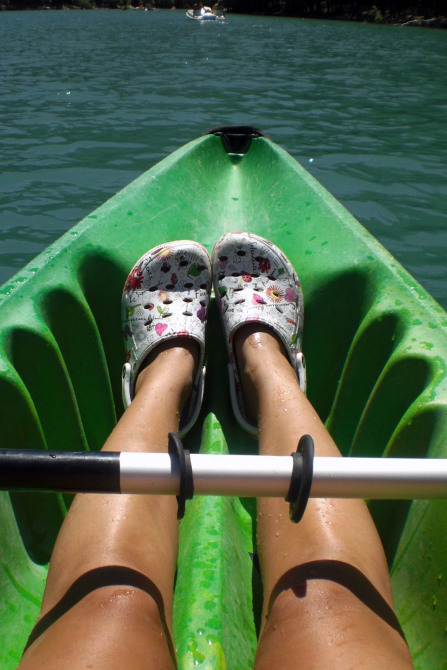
89	100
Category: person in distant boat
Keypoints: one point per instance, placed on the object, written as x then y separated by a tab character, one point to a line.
197	8
109	595
218	9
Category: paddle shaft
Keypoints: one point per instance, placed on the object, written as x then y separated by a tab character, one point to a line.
227	475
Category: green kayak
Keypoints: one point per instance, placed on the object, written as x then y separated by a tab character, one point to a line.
376	349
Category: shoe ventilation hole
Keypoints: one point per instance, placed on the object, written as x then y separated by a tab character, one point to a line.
271	277
201	268
221	276
241	252
170	287
239	302
166	315
238	288
148	306
153	288
183	263
204	286
187	313
167	302
235	274
189	284
187	299
223	258
165	267
255	275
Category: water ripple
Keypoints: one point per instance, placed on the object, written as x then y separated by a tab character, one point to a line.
95	98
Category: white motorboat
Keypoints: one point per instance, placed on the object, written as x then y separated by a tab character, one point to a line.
205	14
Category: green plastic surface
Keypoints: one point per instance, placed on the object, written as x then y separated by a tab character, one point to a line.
376	350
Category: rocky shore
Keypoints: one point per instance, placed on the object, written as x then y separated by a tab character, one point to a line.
420	22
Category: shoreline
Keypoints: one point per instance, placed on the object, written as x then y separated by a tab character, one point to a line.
372	16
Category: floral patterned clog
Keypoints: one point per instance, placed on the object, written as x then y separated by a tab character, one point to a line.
166	295
255	282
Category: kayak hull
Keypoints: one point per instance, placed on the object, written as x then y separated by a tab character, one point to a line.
376	350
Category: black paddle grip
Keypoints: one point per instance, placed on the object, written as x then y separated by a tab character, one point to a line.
68	471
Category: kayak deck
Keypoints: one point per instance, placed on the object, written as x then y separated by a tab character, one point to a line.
376	350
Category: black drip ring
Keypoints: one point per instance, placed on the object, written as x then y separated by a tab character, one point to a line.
175	448
301	479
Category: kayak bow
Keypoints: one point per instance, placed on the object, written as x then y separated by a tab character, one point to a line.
376	350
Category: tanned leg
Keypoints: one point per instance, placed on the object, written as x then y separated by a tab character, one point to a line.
316	622
121	627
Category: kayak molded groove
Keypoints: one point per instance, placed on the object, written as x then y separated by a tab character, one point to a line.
214	580
376	350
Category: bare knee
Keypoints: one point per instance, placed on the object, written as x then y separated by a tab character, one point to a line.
112	627
322	624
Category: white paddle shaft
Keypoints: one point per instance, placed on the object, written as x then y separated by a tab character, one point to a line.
269	476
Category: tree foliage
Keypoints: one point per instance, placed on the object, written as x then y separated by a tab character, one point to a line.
366	10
